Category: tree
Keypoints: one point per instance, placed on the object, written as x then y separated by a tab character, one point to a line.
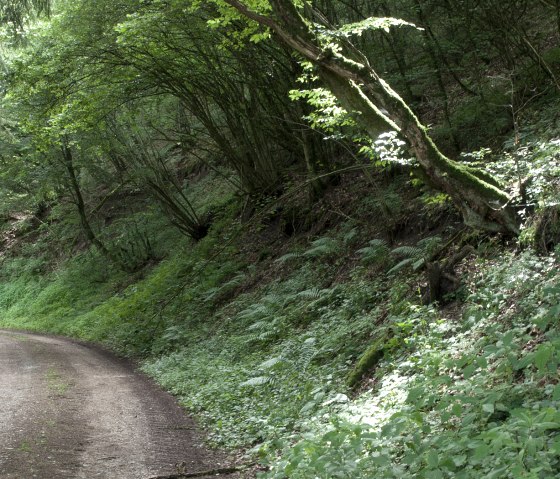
377	107
16	12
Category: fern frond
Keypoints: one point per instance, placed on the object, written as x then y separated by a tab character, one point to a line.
430	245
290	298
307	353
408	252
350	236
257	325
228	285
400	265
273	299
313	293
418	264
255	311
268	334
377	243
235	281
257	381
211	293
288	257
377	251
270	363
322	247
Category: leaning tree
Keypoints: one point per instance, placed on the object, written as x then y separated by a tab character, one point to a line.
376	106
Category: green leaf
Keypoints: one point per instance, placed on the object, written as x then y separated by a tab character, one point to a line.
481	452
468	371
542	356
308	407
270	363
457	409
508	338
488	407
418	264
414	394
556	393
432	459
459	460
257	381
554	312
482	362
435	474
402	264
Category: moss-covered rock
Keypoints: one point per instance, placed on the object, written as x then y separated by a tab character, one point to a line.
369	360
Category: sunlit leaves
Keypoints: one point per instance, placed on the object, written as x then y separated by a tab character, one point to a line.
328	115
372	23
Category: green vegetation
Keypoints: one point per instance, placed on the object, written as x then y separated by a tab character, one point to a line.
229	193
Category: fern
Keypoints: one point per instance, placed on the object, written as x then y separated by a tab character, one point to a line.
412	252
270	363
349	237
257	326
236	281
295	359
257	381
255	311
265	330
430	245
273	300
307	353
416	256
376	252
288	257
325	246
402	264
313	293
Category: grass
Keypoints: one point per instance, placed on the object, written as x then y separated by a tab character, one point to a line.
55	382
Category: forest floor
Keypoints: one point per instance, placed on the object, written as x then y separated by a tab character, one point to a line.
71	410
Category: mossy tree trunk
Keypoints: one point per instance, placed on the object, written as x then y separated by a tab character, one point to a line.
378	108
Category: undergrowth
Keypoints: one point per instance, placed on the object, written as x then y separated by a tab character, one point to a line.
262	351
463	395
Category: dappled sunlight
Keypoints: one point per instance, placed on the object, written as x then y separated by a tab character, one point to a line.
376	406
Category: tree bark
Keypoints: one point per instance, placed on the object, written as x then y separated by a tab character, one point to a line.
80	204
379	108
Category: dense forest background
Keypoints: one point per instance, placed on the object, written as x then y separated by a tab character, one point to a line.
331	228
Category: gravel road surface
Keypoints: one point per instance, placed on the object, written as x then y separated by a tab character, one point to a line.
72	411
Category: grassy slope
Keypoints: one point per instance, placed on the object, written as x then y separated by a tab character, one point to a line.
260	343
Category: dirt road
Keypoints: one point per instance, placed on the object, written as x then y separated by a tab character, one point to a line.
69	411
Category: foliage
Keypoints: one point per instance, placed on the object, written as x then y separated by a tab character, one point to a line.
464	402
262	336
376	252
416	256
372	23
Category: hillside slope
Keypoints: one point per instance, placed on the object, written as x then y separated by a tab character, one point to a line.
316	353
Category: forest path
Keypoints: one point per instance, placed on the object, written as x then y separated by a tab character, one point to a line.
69	410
